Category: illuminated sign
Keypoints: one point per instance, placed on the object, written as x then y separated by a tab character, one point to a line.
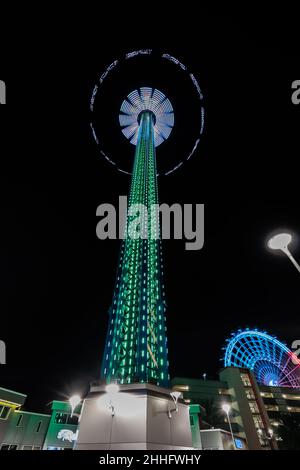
239	444
67	435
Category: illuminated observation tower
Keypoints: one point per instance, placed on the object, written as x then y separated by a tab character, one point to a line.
132	406
136	342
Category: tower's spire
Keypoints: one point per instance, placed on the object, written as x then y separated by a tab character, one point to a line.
136	343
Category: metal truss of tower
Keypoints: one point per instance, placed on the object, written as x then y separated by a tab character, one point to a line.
136	342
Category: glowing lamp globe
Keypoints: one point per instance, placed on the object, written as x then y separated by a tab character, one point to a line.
280	242
112	388
226	407
74	401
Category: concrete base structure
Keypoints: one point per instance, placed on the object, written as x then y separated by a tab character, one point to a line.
139	416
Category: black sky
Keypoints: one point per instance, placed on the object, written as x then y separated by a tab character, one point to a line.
57	279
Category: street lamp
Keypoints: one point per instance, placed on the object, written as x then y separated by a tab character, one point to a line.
226	408
175	395
281	242
74	401
112	389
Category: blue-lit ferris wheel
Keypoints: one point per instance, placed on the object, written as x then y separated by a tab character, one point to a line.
271	361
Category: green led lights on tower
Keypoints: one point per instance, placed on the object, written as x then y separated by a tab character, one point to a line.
136	342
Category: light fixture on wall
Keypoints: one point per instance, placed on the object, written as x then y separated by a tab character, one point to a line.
175	396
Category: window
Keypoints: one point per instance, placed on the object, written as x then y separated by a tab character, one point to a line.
293	409
264	442
38	426
250	394
223	391
272	407
72	420
19	420
65	418
4	412
258	422
289	396
181	388
192	422
5	447
60	418
246	380
253	407
31	448
267	395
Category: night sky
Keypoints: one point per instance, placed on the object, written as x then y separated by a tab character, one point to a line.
57	278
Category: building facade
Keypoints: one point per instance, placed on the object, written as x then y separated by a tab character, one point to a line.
262	417
62	429
26	430
267	417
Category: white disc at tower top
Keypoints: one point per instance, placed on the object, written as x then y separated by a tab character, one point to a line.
146	99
